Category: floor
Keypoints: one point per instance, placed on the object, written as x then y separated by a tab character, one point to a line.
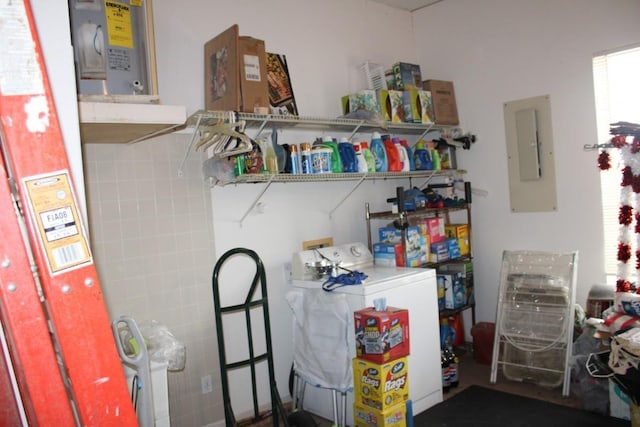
473	373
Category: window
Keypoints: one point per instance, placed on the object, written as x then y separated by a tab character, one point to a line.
617	91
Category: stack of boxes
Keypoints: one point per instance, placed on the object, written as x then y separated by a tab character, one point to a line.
407	99
430	240
380	368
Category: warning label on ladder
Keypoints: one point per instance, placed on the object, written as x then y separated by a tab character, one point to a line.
53	209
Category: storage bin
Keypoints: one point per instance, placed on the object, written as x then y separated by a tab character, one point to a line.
483	334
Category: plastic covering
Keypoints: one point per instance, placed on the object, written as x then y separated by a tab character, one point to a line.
162	345
535	317
322	336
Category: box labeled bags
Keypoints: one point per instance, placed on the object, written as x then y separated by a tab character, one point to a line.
444	101
235	73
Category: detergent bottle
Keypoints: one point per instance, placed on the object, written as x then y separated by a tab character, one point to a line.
421	157
405	144
435	156
362	162
336	162
368	156
379	153
347	155
402	153
393	156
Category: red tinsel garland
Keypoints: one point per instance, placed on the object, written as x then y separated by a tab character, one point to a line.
629	202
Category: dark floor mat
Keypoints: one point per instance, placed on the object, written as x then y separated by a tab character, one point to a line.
482	407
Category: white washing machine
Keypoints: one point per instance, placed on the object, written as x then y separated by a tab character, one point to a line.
414	289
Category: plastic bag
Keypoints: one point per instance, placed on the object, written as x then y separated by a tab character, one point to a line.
219	170
162	345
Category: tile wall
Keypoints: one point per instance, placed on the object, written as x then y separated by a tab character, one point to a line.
152	239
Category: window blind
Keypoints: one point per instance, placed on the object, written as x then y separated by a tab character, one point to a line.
617	91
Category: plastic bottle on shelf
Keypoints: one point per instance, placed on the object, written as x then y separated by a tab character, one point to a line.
405	166
347	155
305	158
421	157
407	148
336	162
295	159
270	160
435	160
368	156
393	156
379	153
362	162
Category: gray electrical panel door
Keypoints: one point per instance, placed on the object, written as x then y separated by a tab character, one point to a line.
111	47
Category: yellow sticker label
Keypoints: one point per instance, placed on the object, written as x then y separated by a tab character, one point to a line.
53	207
136	2
119	24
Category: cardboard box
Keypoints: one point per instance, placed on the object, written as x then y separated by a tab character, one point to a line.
453	290
435	228
453	248
368	99
396	416
394	106
235	73
439	251
388	254
381	336
465	269
406	76
380	386
444	101
416	244
460	232
418	106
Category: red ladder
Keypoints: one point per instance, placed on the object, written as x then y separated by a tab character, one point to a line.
58	365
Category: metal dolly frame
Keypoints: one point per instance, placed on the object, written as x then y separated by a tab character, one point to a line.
251	302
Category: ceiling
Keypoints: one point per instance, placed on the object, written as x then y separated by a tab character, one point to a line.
410	5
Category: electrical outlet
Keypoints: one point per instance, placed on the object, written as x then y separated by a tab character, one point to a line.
207	384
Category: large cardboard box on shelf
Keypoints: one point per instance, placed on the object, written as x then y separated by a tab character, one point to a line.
444	101
235	73
383	335
380	385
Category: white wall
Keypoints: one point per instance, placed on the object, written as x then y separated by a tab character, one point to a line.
502	50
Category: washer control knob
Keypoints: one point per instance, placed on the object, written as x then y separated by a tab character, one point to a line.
355	251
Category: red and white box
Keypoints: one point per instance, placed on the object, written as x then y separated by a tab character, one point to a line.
383	335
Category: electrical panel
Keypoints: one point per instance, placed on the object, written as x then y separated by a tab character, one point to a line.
113	47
